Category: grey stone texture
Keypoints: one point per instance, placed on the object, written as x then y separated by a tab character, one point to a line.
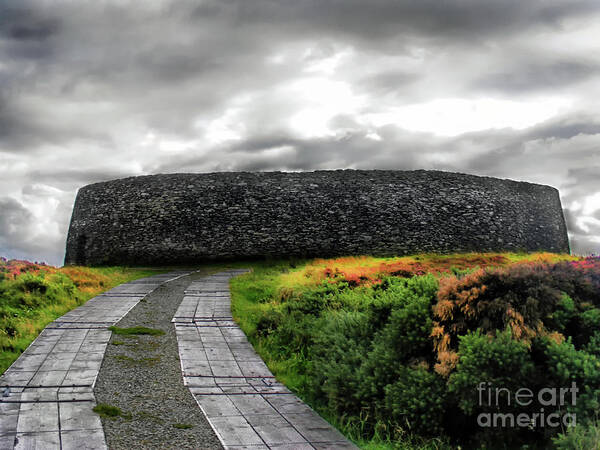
244	403
50	386
186	218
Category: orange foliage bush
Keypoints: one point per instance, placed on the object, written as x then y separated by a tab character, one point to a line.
523	298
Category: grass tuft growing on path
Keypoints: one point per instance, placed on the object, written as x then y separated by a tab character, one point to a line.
109	411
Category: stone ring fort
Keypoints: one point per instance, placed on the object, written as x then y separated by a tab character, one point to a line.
185	218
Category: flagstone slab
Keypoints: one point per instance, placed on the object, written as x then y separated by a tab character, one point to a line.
244	403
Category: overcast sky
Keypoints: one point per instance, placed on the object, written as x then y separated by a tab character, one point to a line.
93	90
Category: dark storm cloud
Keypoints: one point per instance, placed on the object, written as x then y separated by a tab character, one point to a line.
14	222
564	127
585	175
501	149
583	181
169	64
525	77
23	128
497	151
14	215
381	19
9	120
20	26
398	150
24	20
26	30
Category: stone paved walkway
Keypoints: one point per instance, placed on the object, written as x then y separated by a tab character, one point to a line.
246	406
48	394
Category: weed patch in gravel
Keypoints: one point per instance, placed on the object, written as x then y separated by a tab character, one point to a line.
107	411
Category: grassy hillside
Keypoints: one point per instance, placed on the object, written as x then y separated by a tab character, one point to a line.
33	295
393	350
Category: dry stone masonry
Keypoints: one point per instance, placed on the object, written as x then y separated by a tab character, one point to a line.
186	218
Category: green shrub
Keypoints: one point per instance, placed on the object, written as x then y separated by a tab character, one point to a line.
564	365
564	314
269	322
580	437
501	361
490	370
30	283
314	302
593	346
355	358
405	337
416	400
590	324
530	299
341	346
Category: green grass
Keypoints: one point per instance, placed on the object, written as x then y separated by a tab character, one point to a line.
133	331
107	411
183	426
251	294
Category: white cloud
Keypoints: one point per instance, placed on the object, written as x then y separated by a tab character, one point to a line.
455	116
591	203
322	99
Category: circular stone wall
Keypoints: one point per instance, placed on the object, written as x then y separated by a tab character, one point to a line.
186	218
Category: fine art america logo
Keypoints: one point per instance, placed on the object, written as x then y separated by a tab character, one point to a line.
548	407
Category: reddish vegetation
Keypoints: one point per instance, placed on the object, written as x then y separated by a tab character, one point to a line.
87	280
12	268
591	267
406	267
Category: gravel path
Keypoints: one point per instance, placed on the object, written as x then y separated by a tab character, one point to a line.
142	376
